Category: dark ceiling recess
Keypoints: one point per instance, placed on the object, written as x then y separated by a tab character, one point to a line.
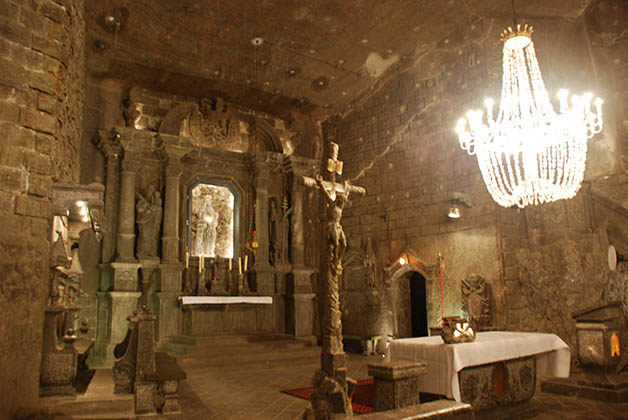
320	83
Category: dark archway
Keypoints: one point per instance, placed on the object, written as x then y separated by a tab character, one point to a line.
418	305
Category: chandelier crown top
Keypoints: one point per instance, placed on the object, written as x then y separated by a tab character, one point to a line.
510	33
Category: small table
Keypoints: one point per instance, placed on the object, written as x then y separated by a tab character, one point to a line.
445	361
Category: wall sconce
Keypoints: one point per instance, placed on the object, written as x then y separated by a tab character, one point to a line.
457	200
454	211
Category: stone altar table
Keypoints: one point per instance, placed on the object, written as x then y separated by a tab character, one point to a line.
445	361
208	315
225	300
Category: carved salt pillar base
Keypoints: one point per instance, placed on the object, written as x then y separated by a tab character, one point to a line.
303	309
171	275
125	276
265	279
279	297
168	311
121	305
113	309
300	305
58	365
168	315
102	332
150	276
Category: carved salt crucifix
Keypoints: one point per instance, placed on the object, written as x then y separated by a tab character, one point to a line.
332	379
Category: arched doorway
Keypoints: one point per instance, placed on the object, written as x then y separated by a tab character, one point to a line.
418	305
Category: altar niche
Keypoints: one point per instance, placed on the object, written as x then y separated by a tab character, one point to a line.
213	219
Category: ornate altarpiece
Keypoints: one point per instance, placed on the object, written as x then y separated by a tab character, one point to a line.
166	185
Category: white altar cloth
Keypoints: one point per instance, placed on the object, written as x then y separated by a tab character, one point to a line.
225	300
444	361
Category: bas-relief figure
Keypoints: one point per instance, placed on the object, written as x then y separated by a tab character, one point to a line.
148	218
476	299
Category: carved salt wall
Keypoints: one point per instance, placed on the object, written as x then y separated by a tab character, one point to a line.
399	143
41	120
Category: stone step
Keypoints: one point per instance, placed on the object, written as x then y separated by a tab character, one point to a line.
118	407
231	346
98	402
183	339
219	358
175	349
439	409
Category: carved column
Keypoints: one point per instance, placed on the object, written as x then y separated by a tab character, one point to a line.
122	300
264	272
110	147
171	267
126	214
299	294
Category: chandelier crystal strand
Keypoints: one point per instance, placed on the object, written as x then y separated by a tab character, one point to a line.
530	154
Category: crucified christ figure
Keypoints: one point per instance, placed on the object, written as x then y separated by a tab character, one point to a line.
337	241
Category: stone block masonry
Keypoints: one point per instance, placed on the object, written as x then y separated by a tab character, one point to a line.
42	83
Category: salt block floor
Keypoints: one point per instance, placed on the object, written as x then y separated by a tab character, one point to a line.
239	378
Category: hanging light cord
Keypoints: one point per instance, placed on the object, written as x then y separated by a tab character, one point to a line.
514	15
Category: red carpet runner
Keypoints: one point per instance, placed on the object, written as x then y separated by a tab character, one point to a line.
361	401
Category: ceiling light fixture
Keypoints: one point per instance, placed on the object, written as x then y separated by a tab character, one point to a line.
530	154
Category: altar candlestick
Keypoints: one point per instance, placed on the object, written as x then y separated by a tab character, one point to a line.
240	265
246	261
187	259
230	264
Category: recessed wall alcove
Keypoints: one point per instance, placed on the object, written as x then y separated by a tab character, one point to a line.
213	219
413	283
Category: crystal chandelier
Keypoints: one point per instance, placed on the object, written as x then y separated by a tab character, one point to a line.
530	154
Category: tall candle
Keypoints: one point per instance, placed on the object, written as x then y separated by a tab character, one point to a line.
187	259
230	264
246	261
240	265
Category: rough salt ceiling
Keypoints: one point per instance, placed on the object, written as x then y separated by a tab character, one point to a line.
314	55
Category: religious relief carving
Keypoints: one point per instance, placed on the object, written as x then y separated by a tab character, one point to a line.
148	219
132	113
476	299
213	123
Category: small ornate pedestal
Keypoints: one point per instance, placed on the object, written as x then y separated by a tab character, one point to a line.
396	384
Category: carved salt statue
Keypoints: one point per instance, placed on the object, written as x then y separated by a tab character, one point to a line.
148	219
476	300
206	224
273	237
333	388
